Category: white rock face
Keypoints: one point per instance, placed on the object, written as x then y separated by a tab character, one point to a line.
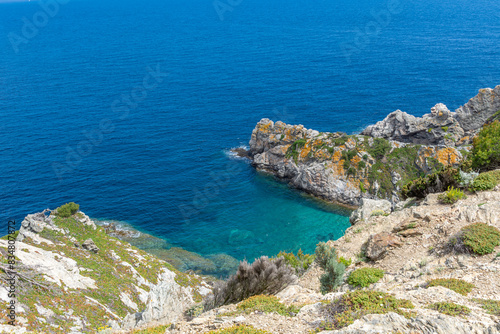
55	268
166	303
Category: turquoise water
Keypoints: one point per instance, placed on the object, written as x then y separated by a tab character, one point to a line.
160	161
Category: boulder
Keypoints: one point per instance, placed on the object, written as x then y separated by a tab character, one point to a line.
369	207
90	246
379	243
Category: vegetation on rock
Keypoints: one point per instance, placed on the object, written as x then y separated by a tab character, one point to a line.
450	308
299	262
452	195
326	257
267	304
67	210
457	285
491	306
239	329
486	147
363	277
356	304
486	181
478	238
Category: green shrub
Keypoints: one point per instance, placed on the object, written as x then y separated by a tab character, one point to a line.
445	128
491	306
451	196
326	257
361	165
239	329
345	262
433	183
480	238
450	308
152	330
67	210
457	285
486	181
379	148
299	262
365	276
354	305
267	304
486	147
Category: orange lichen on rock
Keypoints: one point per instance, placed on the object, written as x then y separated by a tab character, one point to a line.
448	156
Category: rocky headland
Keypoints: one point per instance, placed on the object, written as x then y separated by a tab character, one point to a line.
376	163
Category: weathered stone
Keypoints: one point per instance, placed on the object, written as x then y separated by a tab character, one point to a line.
90	246
410	233
368	208
378	244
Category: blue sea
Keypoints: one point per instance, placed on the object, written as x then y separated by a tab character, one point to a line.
131	108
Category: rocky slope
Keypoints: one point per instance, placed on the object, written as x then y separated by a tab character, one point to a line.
75	278
417	255
441	126
343	168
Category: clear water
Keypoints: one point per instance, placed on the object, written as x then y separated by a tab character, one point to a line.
277	59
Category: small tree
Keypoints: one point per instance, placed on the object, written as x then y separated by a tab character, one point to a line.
326	258
67	210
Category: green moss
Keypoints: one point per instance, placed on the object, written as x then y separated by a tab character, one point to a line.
457	285
354	305
267	304
365	276
450	308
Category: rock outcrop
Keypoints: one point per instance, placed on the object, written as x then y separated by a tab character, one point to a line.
343	168
441	126
368	208
75	278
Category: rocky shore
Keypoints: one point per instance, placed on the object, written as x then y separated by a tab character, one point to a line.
375	164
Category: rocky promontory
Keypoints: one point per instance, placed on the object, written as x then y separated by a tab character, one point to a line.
377	163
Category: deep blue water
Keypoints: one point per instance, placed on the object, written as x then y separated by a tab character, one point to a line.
300	61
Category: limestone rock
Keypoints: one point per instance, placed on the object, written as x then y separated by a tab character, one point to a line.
368	208
379	243
441	126
90	246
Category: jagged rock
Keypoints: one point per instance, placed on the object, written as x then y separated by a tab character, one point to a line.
441	126
379	243
405	204
90	246
479	109
369	207
35	223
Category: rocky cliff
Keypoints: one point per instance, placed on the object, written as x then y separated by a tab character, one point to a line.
378	162
441	126
72	277
343	168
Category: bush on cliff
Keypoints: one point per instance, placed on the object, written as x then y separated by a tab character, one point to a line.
363	277
379	148
354	305
267	304
67	210
263	277
299	262
326	258
486	147
486	181
452	195
432	183
478	238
